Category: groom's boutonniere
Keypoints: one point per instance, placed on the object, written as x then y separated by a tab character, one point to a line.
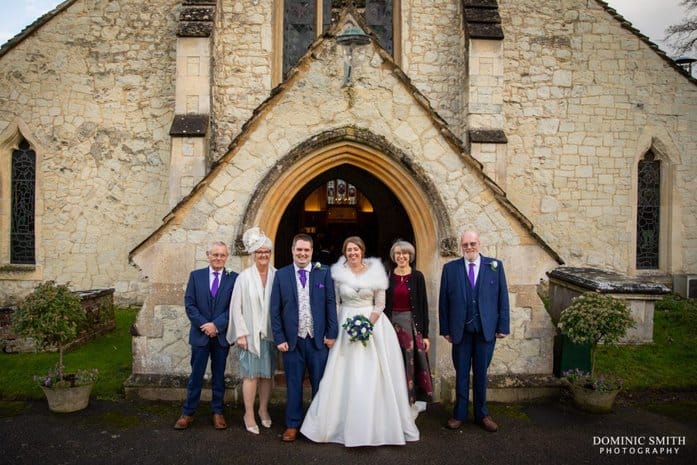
227	271
494	265
317	266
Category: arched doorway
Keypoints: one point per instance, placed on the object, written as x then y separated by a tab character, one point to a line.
351	149
343	201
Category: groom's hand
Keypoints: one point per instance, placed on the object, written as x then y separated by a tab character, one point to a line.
282	347
329	342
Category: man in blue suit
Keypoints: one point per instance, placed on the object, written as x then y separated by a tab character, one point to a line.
474	312
304	325
207	302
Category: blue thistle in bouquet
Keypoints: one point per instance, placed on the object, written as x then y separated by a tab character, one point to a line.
359	328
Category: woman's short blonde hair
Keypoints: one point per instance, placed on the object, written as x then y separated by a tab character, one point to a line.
406	247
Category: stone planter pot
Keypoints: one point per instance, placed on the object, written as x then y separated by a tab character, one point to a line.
590	400
68	399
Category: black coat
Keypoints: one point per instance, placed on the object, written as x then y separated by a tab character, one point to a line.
418	301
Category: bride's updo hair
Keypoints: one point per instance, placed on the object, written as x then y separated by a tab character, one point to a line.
353	240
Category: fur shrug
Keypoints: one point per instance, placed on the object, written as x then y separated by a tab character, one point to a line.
374	277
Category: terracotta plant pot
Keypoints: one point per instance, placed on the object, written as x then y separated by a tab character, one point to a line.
68	399
590	400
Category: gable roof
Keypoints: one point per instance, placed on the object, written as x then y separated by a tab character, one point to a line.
33	27
293	76
630	27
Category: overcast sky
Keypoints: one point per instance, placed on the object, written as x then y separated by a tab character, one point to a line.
651	17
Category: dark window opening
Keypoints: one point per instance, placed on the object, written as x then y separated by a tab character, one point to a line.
23	205
648	213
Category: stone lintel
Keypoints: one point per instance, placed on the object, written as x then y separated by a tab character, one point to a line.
487	136
492	31
189	126
195	29
605	281
198	2
206	13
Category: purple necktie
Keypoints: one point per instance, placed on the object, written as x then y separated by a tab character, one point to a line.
216	283
303	277
471	275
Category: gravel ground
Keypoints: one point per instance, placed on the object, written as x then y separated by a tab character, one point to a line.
545	433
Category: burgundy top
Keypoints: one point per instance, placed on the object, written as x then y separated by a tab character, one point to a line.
400	295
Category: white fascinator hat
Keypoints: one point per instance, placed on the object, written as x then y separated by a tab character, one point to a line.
254	239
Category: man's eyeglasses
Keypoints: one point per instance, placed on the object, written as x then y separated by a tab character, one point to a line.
469	244
217	255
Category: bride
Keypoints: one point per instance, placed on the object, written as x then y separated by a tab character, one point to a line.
362	399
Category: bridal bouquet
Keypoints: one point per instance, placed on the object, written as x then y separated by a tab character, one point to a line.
359	328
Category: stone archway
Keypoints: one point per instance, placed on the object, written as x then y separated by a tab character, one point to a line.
363	150
428	231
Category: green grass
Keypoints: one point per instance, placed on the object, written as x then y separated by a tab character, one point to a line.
110	354
668	363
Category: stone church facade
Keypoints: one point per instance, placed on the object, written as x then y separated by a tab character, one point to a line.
133	137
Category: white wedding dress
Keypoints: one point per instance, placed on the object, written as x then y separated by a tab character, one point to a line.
362	399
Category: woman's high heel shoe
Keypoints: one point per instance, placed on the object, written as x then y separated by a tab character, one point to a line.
252	429
265	422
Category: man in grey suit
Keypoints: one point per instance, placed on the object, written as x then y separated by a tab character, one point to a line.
474	312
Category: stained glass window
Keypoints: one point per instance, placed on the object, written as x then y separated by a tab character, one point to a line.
23	201
378	15
299	29
300	24
648	213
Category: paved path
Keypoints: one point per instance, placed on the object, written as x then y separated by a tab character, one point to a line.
553	432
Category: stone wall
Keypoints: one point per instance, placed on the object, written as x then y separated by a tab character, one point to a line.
92	89
433	56
242	66
585	98
98	305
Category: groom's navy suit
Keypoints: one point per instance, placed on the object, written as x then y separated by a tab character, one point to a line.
473	342
201	308
303	353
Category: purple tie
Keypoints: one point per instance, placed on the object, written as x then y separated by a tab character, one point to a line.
303	277
471	275
216	283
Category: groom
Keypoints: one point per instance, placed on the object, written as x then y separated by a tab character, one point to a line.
304	325
474	312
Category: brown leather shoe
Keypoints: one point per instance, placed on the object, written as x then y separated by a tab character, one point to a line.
290	435
488	424
183	422
454	424
219	421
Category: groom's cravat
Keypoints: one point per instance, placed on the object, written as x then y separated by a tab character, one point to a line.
305	323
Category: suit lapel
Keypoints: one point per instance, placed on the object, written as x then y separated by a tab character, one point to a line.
294	285
311	283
